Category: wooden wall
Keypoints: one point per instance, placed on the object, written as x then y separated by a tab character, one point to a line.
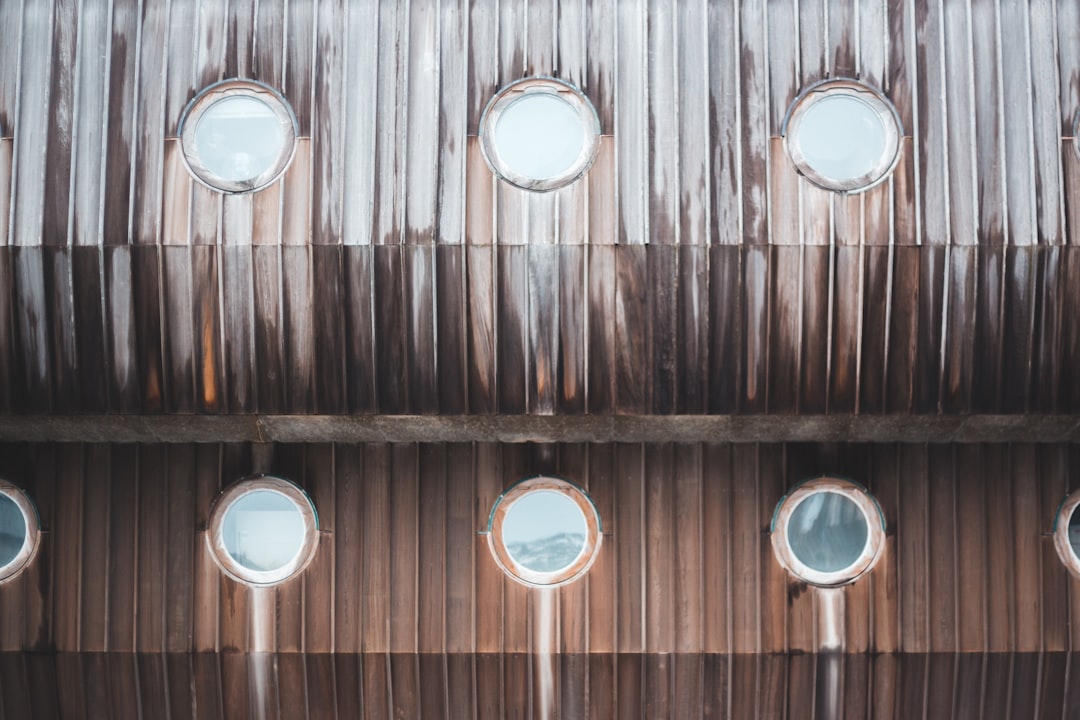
968	686
686	565
512	329
692	270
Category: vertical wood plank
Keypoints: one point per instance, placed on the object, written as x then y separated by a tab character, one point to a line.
190	508
122	555
329	96
942	549
58	155
32	121
349	555
450	297
987	108
511	302
688	564
96	527
155	530
237	308
631	122
86	365
961	322
359	131
147	111
122	349
329	358
753	84
986	386
818	273
601	578
320	462
659	571
849	329
433	549
299	327
912	538
884	481
716	547
692	330
67	534
375	579
629	549
422	141
359	341
632	363
390	361
209	373
419	279
544	312
460	541
1053	470
266	316
600	363
1000	571
389	120
745	550
482	349
178	334
120	125
1019	142
1028	523
784	328
404	536
489	578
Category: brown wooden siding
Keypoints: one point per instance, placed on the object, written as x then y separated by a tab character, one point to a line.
409	329
686	565
347	686
387	272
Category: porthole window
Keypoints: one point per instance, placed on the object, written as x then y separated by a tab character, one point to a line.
20	531
1067	533
828	531
843	135
539	134
238	136
263	530
544	532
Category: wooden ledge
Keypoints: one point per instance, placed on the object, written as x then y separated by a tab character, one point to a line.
534	428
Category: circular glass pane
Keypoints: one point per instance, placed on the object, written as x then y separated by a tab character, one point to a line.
539	136
544	531
1074	533
239	138
12	530
842	137
263	530
827	532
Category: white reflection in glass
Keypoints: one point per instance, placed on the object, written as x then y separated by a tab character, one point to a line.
238	138
842	137
12	530
1074	532
263	530
827	532
539	136
544	531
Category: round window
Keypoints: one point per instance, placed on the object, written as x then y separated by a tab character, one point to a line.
20	531
828	531
539	134
1067	533
544	531
238	136
843	135
263	530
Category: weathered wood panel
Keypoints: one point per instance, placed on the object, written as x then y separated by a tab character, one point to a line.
686	564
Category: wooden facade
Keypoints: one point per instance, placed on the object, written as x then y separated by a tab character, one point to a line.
687	331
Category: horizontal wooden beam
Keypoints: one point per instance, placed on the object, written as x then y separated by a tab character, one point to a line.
534	428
